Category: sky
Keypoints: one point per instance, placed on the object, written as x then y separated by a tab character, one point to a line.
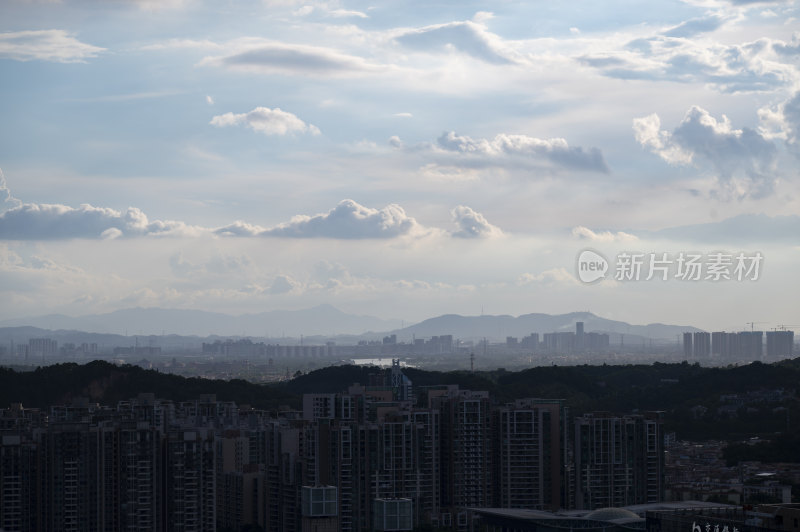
402	159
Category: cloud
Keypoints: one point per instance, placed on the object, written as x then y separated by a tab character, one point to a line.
584	233
695	26
467	37
24	276
273	57
217	269
472	224
349	220
506	149
788	49
335	277
7	201
226	264
240	228
181	44
648	133
266	121
180	266
346	13
324	9
448	172
57	46
324	270
158	5
742	229
743	159
303	11
10	259
783	122
554	276
32	221
283	284
129	97
749	2
674	56
791	117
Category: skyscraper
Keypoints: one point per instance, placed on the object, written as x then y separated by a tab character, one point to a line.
779	344
688	349
619	460
701	348
465	451
530	453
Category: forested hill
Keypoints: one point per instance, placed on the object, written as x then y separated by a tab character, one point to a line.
698	402
107	383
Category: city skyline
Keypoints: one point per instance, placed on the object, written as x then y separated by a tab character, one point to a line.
398	162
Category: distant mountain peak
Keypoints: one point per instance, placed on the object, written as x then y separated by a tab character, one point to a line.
327	320
324	319
498	327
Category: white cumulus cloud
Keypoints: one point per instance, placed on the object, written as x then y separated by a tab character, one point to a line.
32	221
267	121
554	276
783	122
676	56
472	224
349	220
7	201
585	233
240	228
283	284
507	150
742	159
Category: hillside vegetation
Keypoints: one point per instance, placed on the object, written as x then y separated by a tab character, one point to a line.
735	403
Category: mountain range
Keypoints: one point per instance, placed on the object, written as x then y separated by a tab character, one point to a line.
320	320
497	328
325	321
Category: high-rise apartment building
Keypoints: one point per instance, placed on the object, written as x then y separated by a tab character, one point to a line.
529	455
466	456
780	344
701	345
619	460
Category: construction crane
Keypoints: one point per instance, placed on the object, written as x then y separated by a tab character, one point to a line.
785	327
752	323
